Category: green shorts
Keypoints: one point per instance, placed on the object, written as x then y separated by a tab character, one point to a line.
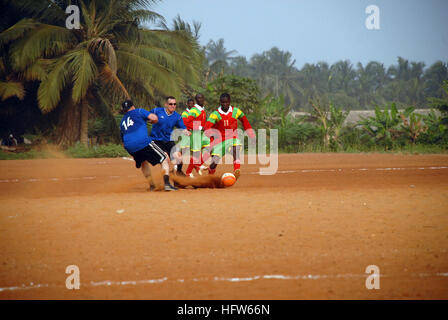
197	141
185	142
220	148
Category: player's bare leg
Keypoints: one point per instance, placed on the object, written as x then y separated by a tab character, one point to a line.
166	177
178	166
146	170
236	161
214	164
204	157
178	163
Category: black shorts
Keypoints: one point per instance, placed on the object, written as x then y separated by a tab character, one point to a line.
151	153
166	146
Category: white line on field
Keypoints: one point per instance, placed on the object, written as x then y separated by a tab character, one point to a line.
351	169
256	173
224	279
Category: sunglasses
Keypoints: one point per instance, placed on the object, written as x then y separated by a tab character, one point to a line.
171	104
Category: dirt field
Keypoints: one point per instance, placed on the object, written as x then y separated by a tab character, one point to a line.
307	232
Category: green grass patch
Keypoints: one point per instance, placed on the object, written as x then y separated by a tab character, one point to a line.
32	154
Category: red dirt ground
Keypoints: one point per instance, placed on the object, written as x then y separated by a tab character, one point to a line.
307	234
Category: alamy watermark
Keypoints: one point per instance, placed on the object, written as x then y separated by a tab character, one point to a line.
373	18
73	281
257	148
373	280
73	20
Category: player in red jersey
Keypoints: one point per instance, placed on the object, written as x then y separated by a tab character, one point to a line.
225	118
200	143
186	140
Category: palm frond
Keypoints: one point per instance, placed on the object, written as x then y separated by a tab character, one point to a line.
10	89
112	82
17	30
43	41
84	72
49	92
169	59
103	51
147	16
88	15
148	72
142	4
141	93
37	71
106	21
49	11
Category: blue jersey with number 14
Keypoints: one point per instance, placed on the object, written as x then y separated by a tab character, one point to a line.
134	131
163	129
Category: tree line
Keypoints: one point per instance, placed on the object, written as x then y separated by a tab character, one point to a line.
352	87
65	76
66	85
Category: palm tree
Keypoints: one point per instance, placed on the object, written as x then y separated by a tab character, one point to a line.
377	73
109	56
408	82
401	71
10	83
315	80
343	76
363	85
260	69
191	31
217	55
434	77
179	24
275	72
239	66
283	74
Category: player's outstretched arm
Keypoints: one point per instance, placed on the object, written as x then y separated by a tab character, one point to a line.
180	123
152	118
247	127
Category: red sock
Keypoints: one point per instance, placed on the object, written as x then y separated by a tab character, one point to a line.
201	162
190	167
236	165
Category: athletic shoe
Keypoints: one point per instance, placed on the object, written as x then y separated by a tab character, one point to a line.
180	173
237	173
152	187
169	187
191	175
201	169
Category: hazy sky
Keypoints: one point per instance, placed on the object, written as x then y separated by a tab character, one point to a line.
315	30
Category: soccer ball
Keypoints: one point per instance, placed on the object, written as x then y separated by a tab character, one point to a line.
228	179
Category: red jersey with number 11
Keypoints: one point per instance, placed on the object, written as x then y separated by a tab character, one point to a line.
223	121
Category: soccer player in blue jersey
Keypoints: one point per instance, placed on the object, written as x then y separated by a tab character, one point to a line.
162	130
140	146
